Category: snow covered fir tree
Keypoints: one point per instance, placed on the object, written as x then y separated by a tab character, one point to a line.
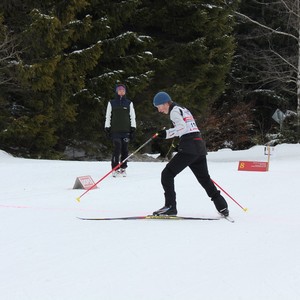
60	62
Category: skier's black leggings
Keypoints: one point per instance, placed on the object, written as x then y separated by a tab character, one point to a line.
178	163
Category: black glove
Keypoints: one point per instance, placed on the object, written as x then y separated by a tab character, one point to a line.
107	131
162	134
132	133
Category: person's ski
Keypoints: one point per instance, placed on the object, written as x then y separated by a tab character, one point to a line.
150	217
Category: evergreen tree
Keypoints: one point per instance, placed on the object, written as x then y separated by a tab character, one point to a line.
74	52
63	86
51	71
125	59
194	45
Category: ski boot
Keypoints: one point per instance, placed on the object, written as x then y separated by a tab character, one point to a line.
166	211
221	204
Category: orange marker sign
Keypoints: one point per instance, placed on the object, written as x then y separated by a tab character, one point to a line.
259	166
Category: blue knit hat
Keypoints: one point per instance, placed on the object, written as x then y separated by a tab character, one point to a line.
161	98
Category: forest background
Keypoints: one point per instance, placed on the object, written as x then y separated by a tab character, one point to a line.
234	64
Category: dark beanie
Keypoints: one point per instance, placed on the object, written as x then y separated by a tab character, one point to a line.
120	86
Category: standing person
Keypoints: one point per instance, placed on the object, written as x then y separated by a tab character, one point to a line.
191	153
120	125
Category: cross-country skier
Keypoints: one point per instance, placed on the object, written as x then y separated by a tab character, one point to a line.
191	153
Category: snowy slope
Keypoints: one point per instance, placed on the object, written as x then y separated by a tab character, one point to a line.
47	253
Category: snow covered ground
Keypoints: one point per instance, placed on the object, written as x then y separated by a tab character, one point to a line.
47	253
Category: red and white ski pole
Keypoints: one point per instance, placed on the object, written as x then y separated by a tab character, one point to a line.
243	208
116	167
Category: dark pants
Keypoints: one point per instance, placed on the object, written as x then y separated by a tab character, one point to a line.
178	163
120	152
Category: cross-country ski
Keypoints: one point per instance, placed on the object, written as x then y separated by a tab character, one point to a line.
151	217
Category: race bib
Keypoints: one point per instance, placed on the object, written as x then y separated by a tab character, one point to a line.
189	120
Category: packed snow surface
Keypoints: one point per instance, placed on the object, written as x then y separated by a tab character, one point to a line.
46	252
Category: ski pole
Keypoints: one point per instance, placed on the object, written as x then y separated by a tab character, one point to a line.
116	167
243	208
